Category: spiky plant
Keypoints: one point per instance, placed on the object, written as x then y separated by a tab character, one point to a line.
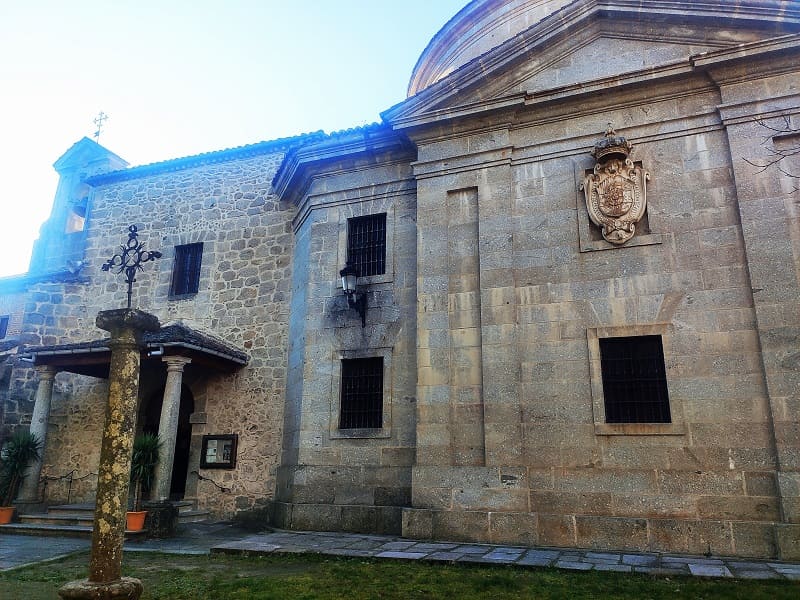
146	450
17	454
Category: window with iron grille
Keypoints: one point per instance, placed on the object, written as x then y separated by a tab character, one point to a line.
186	270
634	380
4	325
362	393
366	244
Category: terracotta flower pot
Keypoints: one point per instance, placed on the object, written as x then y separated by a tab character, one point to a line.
135	520
6	514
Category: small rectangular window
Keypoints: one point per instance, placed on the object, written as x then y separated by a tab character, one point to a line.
366	244
362	393
4	326
186	270
634	380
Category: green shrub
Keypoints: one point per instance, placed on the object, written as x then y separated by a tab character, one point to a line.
16	455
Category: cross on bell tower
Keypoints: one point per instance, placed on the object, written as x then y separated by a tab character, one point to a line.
99	120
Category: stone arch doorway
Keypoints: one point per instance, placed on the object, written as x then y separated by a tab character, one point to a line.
149	416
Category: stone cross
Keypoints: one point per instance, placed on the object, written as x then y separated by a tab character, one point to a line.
130	259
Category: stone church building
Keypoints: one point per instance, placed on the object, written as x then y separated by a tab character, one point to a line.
561	332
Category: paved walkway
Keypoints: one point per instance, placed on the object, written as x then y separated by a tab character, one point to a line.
202	538
19	550
193	538
386	547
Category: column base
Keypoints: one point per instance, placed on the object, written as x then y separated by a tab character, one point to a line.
127	588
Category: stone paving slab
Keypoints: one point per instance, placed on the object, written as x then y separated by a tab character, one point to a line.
754	575
640	560
534	562
604	556
353	553
710	570
402	555
397	545
548	554
445	556
748	566
573	565
202	538
471	549
613	567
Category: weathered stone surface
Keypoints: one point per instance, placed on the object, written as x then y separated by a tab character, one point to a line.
556	530
754	539
513	528
162	519
692	537
461	526
605	532
247	244
127	588
113	479
417	523
788	538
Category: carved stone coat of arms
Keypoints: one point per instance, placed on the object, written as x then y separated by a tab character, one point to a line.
616	195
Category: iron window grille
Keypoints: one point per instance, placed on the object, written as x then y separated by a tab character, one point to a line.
186	270
362	394
4	326
366	244
634	380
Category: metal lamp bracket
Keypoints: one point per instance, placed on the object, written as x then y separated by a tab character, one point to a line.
359	303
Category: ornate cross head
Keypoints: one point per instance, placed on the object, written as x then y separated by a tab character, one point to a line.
130	259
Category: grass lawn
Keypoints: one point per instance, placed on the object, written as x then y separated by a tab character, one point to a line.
305	576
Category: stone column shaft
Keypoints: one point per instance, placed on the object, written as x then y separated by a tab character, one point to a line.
113	481
39	423
168	425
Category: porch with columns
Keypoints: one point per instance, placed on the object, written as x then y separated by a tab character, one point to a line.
175	354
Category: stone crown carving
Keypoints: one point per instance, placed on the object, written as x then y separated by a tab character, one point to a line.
616	190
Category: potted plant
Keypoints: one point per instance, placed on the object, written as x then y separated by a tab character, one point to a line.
16	456
146	448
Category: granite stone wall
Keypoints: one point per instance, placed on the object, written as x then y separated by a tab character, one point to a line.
343	479
554	472
243	300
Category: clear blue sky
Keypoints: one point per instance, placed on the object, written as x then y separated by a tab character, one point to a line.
179	77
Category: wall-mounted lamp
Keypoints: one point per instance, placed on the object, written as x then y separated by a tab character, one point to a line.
354	299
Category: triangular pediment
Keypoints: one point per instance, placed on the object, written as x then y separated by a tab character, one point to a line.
85	152
599	57
594	41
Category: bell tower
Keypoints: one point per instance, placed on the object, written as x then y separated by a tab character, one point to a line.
62	237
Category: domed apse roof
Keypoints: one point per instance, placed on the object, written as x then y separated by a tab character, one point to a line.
476	29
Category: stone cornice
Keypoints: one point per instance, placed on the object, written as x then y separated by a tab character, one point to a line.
293	179
20	283
421	108
387	189
461	164
206	158
742	112
708	65
479	19
782	52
